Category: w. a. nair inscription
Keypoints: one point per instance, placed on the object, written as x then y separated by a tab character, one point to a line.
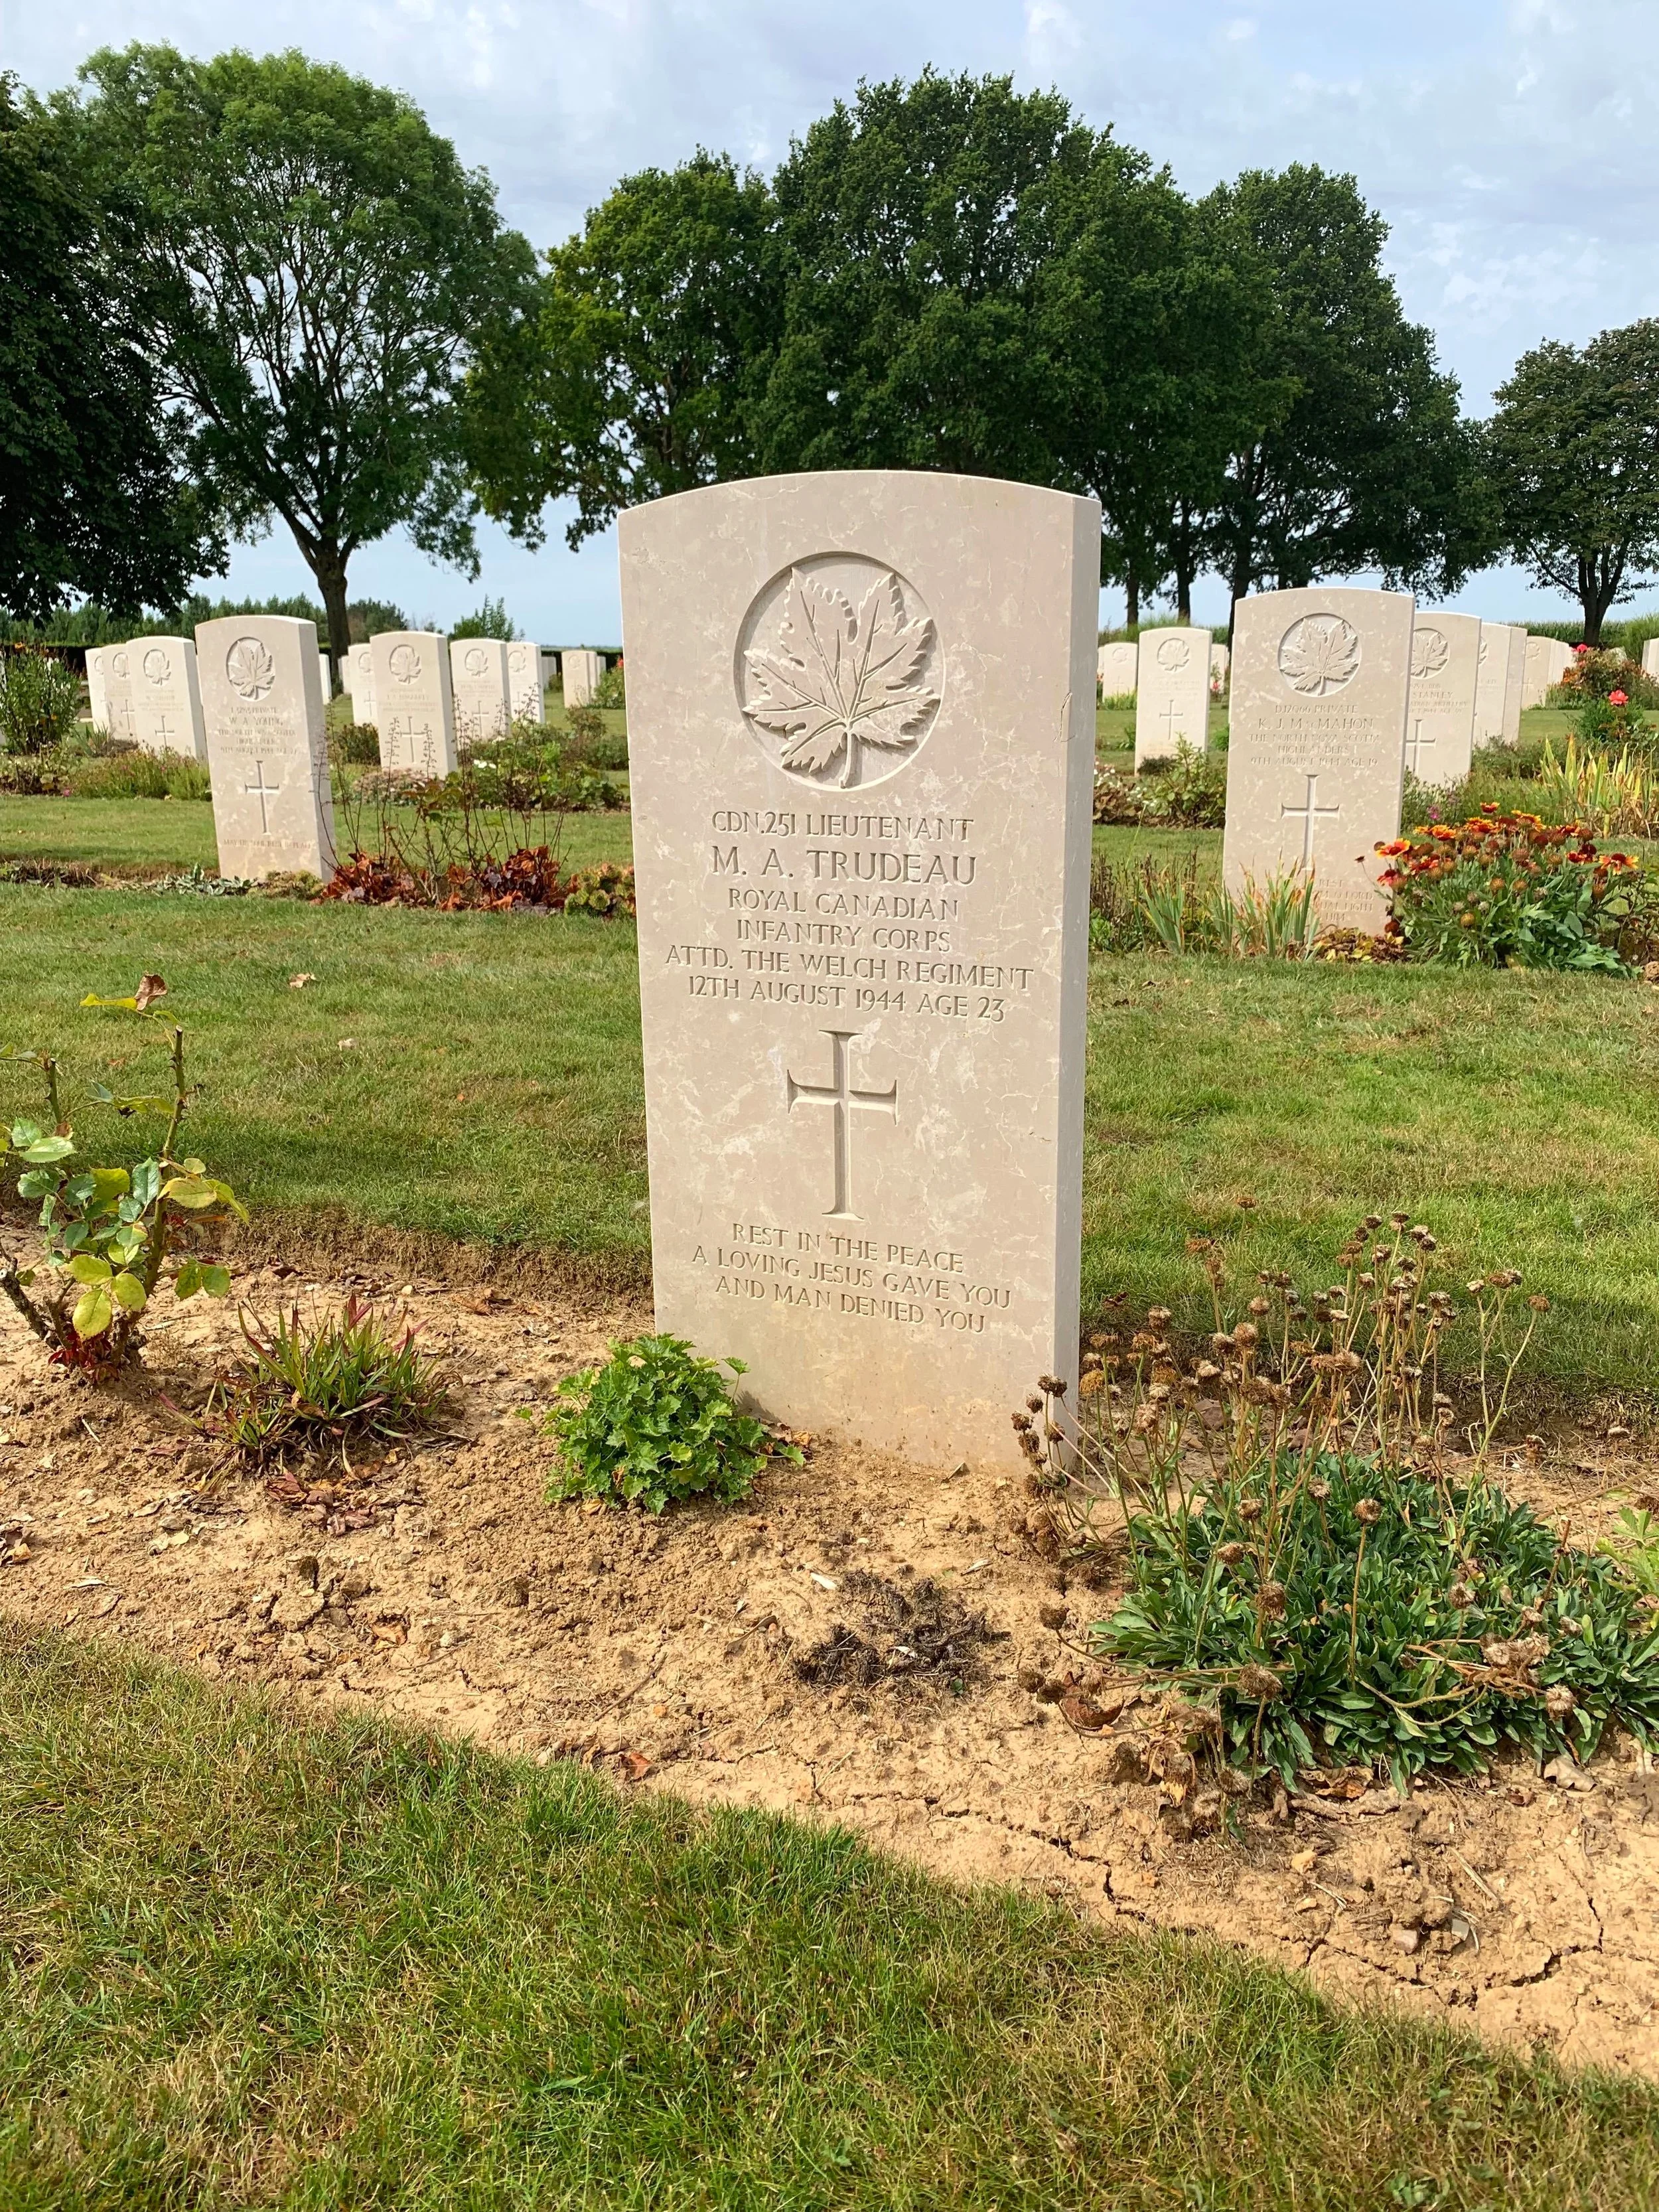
861	709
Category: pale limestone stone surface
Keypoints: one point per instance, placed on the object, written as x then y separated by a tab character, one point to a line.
1649	658
414	705
1219	659
117	690
1548	661
1115	666
1316	750
1172	693
1515	683
261	697
359	683
862	753
1440	708
97	696
477	675
1492	682
525	683
166	698
325	674
581	671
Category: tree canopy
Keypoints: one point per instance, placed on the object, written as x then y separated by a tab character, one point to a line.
93	499
315	268
1574	455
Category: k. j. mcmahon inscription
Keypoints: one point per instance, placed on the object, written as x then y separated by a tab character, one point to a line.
861	784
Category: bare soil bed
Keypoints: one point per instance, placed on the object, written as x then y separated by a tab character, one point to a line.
851	1647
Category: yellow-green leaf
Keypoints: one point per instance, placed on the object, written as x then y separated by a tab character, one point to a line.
111	1182
92	1314
191	1191
87	1267
194	1167
228	1197
129	1293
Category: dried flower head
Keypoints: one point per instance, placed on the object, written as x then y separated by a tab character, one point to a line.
1247	1335
1368	1512
1034	1405
1249	1508
1260	1306
1229	1554
1260	1683
1461	1596
1539	1303
1319	1492
1090	1383
1559	1702
1272	1599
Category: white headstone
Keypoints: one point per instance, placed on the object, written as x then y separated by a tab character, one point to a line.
415	706
1650	659
1317	748
267	746
325	673
358	670
1172	693
97	696
1492	682
525	681
1218	667
582	670
117	689
861	759
1440	712
1548	661
1116	668
1515	685
477	674
166	698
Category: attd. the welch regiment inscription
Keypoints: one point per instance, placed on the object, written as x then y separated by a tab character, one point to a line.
861	790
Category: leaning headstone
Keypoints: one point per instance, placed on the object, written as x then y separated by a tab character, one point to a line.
1172	693
167	696
97	695
415	708
1115	669
581	671
1316	756
1440	712
1492	683
117	690
1548	662
1219	656
525	682
358	670
478	679
267	738
862	751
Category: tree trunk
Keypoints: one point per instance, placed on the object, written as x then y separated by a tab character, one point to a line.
330	570
1600	575
1182	537
1130	598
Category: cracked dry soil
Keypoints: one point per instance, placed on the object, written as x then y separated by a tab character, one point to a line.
851	1646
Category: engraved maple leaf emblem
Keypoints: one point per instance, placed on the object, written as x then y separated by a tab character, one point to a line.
1430	652
839	678
249	669
404	663
1318	655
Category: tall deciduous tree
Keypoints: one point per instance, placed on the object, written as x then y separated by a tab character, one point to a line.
638	374
1574	450
92	500
316	269
1360	458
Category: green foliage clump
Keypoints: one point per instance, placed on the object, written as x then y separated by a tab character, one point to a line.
1508	891
135	775
1187	792
355	744
338	1386
590	743
607	889
612	689
492	620
656	1424
39	704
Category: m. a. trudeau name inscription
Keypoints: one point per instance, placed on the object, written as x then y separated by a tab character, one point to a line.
861	796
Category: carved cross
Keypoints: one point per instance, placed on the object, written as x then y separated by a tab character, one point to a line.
843	1102
1169	718
260	790
1415	744
1309	814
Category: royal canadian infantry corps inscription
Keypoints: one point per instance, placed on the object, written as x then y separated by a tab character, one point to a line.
863	1015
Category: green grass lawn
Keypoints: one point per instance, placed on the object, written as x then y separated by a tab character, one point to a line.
250	1964
492	1090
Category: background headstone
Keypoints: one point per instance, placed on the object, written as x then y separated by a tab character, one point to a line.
262	699
358	669
861	758
477	675
525	682
1440	711
581	671
326	674
1219	656
415	708
1492	683
97	696
117	690
1515	683
1548	661
1172	693
166	698
1316	746
1650	659
1115	665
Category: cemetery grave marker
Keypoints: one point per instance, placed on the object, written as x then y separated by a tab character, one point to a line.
862	760
415	706
97	696
1650	659
358	670
326	674
1218	658
117	690
1172	693
167	696
1116	667
267	746
1492	683
479	681
581	671
1440	708
1316	751
525	682
1548	662
1515	683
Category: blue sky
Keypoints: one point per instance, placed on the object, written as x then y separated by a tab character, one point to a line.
1511	145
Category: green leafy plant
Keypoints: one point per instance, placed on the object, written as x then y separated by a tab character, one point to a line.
1306	1560
590	744
1509	891
109	1230
40	703
612	689
1188	791
134	774
492	620
355	744
607	889
656	1424
347	1383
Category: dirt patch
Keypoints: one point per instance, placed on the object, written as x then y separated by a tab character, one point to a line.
746	1656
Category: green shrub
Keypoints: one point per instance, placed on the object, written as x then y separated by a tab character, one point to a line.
612	689
491	620
357	744
341	1386
1188	791
1507	890
39	704
138	776
655	1424
1306	1560
591	744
